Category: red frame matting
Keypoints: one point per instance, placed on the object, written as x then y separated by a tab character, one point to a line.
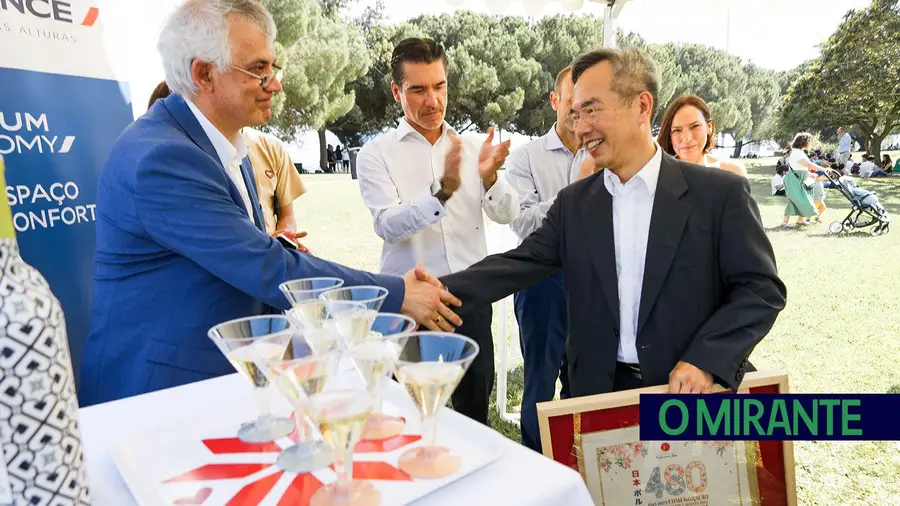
772	482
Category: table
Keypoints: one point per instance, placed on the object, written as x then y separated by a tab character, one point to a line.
520	476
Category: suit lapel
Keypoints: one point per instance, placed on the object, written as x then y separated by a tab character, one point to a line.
250	181
179	110
597	212
666	229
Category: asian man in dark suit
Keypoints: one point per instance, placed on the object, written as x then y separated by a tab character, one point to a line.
181	242
670	278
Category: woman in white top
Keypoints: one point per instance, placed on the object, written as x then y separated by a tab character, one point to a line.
801	163
688	132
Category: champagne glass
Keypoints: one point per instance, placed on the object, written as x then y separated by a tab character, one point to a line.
308	288
430	366
372	296
350	320
247	343
340	415
374	359
302	373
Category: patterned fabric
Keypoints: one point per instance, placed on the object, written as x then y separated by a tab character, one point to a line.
38	405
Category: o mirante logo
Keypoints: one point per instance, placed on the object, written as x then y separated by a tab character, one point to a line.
57	10
797	417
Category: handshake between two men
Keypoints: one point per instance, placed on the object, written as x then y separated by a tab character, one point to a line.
428	302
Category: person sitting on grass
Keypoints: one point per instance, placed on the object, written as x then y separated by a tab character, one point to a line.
886	164
778	182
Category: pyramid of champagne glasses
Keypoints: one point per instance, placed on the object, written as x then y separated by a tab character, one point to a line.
301	354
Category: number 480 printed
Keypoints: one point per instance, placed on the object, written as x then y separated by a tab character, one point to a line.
678	479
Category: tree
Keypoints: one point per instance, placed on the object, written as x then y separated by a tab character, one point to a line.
553	42
322	57
763	93
374	109
333	8
718	78
489	79
855	80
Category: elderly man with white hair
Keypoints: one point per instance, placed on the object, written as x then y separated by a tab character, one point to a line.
181	243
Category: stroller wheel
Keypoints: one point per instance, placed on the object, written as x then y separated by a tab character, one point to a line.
836	227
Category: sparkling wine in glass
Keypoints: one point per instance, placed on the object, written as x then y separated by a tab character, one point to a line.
340	416
430	365
248	344
322	320
372	296
303	373
374	360
308	288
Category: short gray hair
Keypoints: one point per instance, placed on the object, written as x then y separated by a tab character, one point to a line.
199	29
634	72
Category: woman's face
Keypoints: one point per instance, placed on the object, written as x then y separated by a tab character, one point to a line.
690	131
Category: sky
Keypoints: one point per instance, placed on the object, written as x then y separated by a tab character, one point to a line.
775	34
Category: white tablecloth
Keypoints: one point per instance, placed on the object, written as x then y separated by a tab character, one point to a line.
520	476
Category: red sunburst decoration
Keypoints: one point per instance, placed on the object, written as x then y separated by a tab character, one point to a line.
303	485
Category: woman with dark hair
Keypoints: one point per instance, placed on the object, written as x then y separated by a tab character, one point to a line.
887	164
688	132
161	91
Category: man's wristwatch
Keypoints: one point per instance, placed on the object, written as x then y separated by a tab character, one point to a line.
442	196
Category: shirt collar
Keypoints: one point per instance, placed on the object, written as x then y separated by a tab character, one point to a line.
649	174
404	129
552	142
226	150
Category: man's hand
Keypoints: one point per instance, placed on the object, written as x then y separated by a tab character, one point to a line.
451	181
427	302
688	379
491	158
587	168
296	236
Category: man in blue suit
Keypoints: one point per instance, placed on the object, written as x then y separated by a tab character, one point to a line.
181	244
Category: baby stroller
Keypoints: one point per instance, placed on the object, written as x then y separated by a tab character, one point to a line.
866	211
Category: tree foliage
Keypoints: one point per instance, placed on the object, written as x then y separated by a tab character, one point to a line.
501	71
855	81
323	56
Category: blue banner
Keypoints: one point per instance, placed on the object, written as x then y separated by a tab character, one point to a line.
60	112
797	417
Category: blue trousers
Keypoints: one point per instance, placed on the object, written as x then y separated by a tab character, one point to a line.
541	313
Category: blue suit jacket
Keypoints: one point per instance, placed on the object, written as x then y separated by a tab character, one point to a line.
176	254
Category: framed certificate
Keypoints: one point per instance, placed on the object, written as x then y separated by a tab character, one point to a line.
599	436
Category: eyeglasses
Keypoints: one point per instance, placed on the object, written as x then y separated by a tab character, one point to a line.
266	80
588	114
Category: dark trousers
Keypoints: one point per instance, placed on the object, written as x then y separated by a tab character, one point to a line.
473	394
626	378
541	313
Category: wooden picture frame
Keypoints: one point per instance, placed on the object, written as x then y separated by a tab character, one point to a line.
566	424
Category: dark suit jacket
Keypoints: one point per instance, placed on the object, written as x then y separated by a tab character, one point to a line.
710	292
176	255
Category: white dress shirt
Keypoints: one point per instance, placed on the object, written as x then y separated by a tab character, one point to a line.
538	171
230	153
632	209
398	174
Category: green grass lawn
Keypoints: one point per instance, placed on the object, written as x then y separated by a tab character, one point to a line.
839	333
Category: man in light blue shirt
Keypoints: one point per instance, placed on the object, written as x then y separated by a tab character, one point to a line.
538	171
